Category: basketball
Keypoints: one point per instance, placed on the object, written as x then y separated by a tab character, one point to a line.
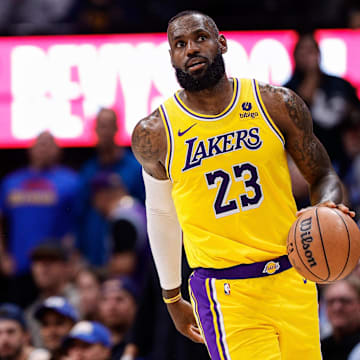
323	244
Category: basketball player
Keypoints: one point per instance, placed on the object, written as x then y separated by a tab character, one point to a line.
215	171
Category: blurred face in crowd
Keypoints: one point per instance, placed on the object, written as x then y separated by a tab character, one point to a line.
49	273
354	19
45	152
106	127
104	199
343	307
123	263
80	350
307	54
54	328
89	293
116	308
12	339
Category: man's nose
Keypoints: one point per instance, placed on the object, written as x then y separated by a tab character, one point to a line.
192	48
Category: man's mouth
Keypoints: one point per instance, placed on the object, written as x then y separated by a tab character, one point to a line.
196	63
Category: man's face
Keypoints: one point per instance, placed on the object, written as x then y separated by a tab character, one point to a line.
12	339
80	350
89	292
196	52
45	152
106	127
117	309
48	273
307	56
343	306
54	328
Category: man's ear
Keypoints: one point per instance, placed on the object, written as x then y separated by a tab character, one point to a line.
223	44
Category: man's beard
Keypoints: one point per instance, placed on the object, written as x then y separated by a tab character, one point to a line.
209	79
14	355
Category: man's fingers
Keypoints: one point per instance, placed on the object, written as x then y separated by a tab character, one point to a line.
346	210
194	334
300	212
196	329
330	204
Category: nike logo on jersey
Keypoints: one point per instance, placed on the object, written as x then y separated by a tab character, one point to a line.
181	133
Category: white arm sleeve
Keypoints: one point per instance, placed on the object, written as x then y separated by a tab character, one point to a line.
164	231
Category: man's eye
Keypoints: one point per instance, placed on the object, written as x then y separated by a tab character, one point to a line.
202	37
180	44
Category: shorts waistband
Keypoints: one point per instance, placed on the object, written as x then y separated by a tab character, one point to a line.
247	271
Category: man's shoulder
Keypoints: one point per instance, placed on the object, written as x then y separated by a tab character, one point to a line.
150	125
66	174
66	171
16	176
333	81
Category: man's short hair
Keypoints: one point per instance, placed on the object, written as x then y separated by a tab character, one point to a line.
12	312
50	249
196	12
115	284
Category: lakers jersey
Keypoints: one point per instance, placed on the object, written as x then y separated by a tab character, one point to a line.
231	183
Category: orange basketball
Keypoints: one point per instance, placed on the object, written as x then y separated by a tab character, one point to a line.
323	244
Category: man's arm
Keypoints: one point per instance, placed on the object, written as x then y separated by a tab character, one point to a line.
149	147
293	118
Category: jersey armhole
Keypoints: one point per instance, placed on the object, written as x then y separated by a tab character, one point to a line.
265	113
169	140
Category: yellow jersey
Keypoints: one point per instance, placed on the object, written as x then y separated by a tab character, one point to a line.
231	183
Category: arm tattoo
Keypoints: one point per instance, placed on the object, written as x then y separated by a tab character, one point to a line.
146	141
294	119
310	154
149	145
298	113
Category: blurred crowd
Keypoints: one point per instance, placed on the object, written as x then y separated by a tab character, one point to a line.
38	17
76	275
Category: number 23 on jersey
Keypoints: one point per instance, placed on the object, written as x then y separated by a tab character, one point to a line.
246	173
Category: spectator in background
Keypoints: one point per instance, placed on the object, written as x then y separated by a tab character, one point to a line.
14	338
117	310
51	276
330	99
351	140
126	216
354	17
342	301
88	283
153	335
94	229
36	203
56	317
6	12
43	17
88	340
108	16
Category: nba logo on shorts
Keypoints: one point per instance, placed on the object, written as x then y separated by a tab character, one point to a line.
227	289
271	267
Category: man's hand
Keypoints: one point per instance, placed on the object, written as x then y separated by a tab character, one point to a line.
330	204
183	317
7	264
130	353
